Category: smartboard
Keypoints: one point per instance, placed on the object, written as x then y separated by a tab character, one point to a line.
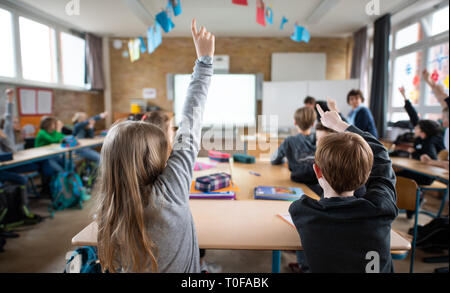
282	99
231	100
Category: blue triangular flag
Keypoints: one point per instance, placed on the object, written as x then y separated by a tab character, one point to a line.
283	22
164	20
301	34
175	5
143	47
154	36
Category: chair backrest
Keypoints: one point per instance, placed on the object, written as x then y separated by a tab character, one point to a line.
406	193
443	155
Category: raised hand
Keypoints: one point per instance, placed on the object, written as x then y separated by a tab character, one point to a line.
10	94
204	41
91	123
402	91
59	126
104	114
332	104
331	119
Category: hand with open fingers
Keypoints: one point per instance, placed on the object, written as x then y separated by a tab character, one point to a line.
10	94
332	104
104	114
403	92
332	120
204	41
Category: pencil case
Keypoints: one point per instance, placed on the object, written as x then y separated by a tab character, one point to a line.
212	182
219	156
246	159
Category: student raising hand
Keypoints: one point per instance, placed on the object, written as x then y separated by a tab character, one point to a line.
403	92
331	119
204	41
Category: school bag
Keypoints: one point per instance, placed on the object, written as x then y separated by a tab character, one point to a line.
13	211
84	260
87	171
67	191
69	141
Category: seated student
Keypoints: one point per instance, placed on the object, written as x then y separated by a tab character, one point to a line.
360	116
339	231
84	128
7	145
297	148
165	123
427	141
143	215
50	133
426	158
310	102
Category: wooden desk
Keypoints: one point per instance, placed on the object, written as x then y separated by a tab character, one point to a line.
45	152
416	166
245	223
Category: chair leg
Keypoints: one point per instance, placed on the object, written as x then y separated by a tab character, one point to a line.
444	200
416	218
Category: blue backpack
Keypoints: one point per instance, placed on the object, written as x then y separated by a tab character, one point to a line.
67	191
84	260
69	141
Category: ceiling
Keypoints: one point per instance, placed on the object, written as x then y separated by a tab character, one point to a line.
115	18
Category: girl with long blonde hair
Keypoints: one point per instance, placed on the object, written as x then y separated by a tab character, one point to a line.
143	215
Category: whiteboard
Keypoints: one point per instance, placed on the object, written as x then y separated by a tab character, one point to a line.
282	99
335	89
231	100
298	66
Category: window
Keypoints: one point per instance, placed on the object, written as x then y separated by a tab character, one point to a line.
439	21
421	42
407	74
438	68
73	60
37	43
408	36
7	45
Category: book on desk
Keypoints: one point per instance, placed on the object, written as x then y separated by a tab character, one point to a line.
278	193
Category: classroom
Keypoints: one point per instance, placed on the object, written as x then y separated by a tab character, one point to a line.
224	137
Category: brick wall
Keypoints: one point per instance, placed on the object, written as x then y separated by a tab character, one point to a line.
247	55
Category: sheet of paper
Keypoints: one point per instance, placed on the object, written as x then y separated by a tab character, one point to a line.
287	218
44	102
260	13
27	102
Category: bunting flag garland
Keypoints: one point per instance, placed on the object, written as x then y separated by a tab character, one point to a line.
165	21
445	82
142	43
175	5
154	37
435	76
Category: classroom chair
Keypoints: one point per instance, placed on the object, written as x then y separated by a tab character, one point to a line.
408	195
31	187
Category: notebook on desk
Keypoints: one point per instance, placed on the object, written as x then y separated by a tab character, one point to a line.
278	193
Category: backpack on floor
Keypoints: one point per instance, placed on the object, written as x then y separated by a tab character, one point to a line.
13	211
67	191
87	171
83	260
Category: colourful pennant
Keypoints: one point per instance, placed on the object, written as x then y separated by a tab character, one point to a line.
165	21
269	15
240	2
301	34
260	13
445	82
283	22
154	37
175	5
435	76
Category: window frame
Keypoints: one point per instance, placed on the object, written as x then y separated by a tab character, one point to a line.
422	46
18	79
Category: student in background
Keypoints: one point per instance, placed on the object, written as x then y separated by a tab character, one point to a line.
339	231
84	128
299	147
50	133
7	145
427	141
163	120
360	116
310	102
143	215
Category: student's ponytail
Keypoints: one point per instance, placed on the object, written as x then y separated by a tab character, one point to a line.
133	156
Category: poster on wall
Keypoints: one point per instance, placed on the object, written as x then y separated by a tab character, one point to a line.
35	101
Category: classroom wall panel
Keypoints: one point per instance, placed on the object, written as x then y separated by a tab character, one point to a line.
247	55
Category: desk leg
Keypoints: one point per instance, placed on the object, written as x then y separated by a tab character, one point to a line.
444	201
276	261
70	161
